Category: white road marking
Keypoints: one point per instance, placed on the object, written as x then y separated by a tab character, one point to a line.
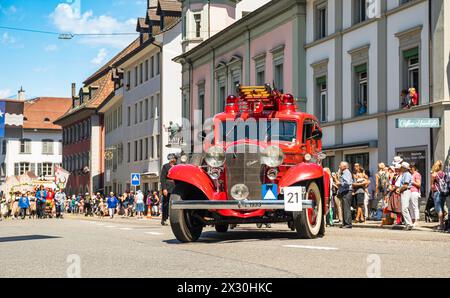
110	227
126	229
154	233
311	247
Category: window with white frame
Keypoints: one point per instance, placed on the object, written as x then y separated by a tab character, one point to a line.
3	170
47	169
152	107
128	80
141	111
362	90
152	67
222	97
129	116
279	76
321	20
198	25
260	69
22	168
278	67
158	64
413	64
47	147
157	105
136	76
201	102
25	146
360	11
323	99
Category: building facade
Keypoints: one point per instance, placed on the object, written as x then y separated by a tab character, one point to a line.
146	99
40	148
83	129
359	59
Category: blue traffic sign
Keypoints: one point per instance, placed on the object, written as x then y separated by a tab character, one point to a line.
135	179
270	192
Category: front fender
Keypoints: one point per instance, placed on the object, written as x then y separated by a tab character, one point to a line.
302	172
195	176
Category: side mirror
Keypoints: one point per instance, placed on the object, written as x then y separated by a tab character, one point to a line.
201	135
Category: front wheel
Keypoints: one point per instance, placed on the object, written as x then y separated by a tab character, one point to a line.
221	228
185	226
310	223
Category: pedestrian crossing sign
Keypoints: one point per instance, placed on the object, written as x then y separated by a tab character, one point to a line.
135	179
270	192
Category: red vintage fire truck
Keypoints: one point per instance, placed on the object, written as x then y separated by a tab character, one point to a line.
262	166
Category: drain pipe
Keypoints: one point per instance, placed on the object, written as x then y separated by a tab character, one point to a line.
161	110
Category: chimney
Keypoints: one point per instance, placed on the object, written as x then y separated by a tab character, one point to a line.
21	94
74	90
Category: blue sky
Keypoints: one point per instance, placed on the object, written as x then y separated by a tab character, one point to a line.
45	65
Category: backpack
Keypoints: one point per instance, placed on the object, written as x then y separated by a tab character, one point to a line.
442	181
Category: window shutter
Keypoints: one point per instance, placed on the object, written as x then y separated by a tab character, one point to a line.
16	169
361	68
411	53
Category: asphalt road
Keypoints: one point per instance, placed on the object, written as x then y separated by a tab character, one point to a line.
80	247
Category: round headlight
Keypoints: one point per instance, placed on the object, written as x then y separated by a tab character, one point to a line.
184	158
272	157
308	157
240	192
215	157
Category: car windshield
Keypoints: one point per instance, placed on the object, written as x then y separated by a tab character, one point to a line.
261	130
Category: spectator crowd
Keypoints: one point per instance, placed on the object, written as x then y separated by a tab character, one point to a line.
48	203
392	195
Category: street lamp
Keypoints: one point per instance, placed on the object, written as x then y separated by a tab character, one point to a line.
66	36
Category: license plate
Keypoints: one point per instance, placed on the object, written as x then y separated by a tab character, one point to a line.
293	199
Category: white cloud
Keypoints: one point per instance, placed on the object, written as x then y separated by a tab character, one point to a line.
8	10
41	69
69	19
101	56
51	48
5	93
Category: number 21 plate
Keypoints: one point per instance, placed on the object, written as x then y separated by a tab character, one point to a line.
293	199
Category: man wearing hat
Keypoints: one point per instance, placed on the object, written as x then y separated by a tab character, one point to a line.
167	186
405	191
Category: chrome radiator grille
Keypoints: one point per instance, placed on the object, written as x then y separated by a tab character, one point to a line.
244	167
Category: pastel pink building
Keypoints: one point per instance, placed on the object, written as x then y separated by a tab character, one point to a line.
241	42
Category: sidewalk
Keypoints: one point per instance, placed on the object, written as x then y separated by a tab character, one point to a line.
116	218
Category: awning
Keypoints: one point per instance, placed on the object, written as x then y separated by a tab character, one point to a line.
352	146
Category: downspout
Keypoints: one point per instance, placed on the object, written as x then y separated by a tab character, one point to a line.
430	74
191	101
209	19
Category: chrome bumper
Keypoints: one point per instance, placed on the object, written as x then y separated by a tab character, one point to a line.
235	205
